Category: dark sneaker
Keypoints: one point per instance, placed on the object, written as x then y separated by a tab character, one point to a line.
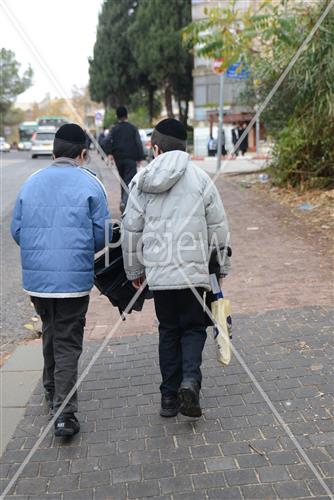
168	407
66	425
188	398
49	399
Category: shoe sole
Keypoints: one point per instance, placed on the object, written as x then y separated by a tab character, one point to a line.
65	432
167	413
189	406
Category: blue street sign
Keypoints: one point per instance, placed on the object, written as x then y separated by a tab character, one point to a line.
234	71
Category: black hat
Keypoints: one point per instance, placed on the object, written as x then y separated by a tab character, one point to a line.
169	135
70	132
173	128
121	112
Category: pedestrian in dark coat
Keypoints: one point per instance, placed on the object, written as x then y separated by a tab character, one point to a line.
124	145
212	146
59	223
235	137
244	142
224	152
173	218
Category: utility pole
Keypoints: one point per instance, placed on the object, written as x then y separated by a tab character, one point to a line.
221	120
257	131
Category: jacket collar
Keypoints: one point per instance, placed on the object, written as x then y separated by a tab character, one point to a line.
64	162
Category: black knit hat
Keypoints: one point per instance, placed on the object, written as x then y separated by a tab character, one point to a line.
121	112
70	132
169	135
173	128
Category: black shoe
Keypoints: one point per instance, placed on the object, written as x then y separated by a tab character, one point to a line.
66	425
169	407
49	399
188	397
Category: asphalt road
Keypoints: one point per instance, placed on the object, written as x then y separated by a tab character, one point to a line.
15	310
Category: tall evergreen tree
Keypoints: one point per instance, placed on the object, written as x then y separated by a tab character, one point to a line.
11	83
155	38
113	72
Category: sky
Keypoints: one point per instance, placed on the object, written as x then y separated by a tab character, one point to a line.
63	32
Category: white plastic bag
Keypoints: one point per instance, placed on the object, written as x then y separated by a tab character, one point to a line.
221	312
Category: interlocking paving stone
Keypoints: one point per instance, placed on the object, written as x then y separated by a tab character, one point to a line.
292	489
258	491
220	463
156	471
175	484
143	489
272	474
126	450
240	477
228	493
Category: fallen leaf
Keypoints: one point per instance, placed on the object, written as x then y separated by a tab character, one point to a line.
29	326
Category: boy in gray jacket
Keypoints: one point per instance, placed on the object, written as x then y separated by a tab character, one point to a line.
173	218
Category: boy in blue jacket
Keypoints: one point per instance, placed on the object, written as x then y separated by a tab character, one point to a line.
59	223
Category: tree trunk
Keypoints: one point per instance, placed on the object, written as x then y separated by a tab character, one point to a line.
185	116
168	100
183	113
151	91
179	103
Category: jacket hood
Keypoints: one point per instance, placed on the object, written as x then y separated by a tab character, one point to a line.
163	172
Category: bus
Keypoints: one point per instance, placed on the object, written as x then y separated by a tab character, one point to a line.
51	121
26	131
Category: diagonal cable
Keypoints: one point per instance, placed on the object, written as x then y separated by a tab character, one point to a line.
264	395
56	83
81	378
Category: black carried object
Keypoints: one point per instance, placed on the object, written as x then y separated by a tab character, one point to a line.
111	280
214	268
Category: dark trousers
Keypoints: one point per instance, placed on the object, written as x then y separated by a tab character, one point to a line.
182	335
127	169
62	334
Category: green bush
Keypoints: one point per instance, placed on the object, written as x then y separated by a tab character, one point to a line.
304	155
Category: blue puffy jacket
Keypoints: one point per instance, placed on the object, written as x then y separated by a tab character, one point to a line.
59	222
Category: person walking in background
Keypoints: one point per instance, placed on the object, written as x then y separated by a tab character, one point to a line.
224	152
212	146
235	137
123	144
244	142
174	214
59	223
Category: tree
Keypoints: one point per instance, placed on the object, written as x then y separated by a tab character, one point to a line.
304	105
156	42
300	116
11	83
227	33
113	71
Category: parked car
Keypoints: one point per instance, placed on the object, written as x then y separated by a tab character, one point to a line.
4	146
42	142
145	136
24	146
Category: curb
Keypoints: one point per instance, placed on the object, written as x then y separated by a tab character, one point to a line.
18	378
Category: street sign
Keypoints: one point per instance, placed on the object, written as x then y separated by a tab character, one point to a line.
237	71
98	117
217	66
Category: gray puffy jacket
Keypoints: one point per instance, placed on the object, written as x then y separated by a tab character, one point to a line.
173	215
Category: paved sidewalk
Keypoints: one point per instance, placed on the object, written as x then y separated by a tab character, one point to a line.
280	291
239	165
237	450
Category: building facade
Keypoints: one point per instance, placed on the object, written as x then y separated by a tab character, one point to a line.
206	89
